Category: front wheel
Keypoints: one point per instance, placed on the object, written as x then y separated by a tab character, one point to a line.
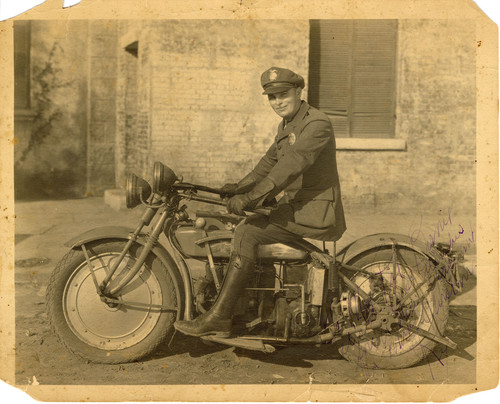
104	332
411	294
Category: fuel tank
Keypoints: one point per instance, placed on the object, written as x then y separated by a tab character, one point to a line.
193	243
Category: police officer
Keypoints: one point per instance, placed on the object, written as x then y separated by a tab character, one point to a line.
302	163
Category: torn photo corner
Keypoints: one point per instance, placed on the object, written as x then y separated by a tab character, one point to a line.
122	123
12	8
70	3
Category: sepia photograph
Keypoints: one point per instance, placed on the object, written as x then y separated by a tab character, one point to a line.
279	204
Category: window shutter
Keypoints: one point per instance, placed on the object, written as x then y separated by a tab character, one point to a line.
330	70
352	75
373	78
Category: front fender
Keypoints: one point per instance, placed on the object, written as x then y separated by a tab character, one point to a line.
124	233
100	233
387	239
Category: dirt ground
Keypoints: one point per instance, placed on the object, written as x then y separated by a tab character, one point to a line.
43	227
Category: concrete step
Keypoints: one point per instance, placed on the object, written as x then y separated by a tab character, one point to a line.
115	198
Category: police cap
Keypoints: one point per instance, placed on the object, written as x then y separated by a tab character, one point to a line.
276	80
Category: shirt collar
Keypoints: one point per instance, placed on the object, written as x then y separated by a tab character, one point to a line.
304	107
283	130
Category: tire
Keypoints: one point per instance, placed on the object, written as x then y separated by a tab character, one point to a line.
427	308
93	330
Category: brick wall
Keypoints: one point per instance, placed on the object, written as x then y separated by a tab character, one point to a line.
102	65
133	111
192	99
200	109
210	121
437	111
436	116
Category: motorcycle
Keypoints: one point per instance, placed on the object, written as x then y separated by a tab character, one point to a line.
382	300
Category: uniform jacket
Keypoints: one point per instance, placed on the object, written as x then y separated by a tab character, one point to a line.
302	162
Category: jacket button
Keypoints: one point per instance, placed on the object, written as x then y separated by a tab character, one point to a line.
279	147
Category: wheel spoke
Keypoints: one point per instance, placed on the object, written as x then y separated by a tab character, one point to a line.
91	269
387	294
424	333
355	288
409	295
394	274
422	299
126	303
405	289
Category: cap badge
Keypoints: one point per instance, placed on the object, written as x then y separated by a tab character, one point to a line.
273	74
292	138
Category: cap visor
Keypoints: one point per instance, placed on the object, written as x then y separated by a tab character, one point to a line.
277	89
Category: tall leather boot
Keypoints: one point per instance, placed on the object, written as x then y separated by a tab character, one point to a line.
218	319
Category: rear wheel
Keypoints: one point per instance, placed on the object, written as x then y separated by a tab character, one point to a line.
410	294
111	332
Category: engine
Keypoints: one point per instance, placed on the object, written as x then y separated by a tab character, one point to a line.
286	295
285	301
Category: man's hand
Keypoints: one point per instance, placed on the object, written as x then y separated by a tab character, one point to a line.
229	189
238	203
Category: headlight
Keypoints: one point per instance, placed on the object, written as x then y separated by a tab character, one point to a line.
137	188
163	178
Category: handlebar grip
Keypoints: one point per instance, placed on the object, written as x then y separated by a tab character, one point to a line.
262	211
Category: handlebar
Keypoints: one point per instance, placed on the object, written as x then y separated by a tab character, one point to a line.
196	187
215	201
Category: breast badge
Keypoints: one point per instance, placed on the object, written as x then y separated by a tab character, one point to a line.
292	138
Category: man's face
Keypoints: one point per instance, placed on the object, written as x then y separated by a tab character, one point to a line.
287	103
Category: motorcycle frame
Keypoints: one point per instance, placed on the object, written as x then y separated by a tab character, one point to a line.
332	266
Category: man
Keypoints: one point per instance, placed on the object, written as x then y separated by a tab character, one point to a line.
302	163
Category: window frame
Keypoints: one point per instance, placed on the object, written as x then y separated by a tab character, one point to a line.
349	34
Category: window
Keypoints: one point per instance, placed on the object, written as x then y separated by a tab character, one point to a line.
22	32
352	75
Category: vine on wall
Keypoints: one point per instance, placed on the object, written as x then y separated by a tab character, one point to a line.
46	79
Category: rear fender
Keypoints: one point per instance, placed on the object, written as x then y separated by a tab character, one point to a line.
364	244
182	283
